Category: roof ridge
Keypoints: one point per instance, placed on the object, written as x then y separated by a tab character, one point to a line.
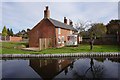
60	24
59	21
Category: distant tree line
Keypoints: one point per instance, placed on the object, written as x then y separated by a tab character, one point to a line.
101	33
9	32
99	29
23	33
113	27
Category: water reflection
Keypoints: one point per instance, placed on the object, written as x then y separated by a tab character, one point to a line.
92	71
48	69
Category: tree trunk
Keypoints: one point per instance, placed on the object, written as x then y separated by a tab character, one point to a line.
5	38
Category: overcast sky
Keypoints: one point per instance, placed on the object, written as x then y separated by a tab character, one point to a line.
23	15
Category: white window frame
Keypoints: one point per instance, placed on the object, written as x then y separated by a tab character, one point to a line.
59	30
70	32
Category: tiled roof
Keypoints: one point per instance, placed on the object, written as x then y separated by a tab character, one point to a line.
61	25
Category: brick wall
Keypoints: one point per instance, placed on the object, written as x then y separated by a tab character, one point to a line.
15	39
12	39
63	32
44	29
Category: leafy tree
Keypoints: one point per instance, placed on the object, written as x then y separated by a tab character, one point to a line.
97	29
4	32
113	27
11	32
23	34
84	34
8	32
18	34
28	30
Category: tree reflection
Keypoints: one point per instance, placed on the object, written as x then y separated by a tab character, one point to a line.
66	71
94	71
71	65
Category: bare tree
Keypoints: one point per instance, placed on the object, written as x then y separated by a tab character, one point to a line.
82	26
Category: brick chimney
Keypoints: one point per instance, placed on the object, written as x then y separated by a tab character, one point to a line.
70	22
65	20
46	13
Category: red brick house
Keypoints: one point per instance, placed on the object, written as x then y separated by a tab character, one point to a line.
50	28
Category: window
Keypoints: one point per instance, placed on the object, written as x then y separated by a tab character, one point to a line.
59	39
70	32
59	31
62	39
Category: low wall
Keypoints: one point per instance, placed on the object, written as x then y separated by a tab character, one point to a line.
92	54
15	39
12	38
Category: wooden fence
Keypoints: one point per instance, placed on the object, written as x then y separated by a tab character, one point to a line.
45	43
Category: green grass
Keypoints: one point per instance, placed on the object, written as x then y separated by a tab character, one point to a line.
15	48
0	47
83	48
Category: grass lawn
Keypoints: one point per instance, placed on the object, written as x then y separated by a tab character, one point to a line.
83	48
0	47
15	48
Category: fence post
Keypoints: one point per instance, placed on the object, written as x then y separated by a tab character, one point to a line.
40	43
45	43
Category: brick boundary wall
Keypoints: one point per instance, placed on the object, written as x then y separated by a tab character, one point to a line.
12	38
15	39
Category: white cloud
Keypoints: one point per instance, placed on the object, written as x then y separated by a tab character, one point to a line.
60	0
23	15
0	16
119	10
101	12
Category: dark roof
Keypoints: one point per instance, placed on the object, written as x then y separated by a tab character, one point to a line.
61	25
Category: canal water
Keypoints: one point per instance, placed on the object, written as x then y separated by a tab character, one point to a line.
61	68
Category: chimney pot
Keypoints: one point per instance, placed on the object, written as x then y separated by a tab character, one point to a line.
70	22
65	20
46	13
46	7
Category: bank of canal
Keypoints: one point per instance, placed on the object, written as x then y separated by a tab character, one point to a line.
92	54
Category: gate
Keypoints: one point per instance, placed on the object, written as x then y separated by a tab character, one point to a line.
45	43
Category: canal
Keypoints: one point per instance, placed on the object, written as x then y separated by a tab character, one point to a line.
60	68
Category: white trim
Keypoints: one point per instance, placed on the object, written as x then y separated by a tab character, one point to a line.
63	39
59	31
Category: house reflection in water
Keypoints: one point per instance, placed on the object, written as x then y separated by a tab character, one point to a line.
49	68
